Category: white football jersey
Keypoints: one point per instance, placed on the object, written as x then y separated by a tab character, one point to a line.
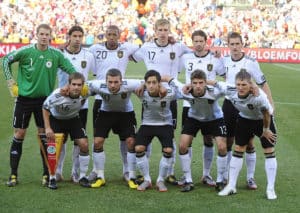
107	59
156	110
163	59
211	65
119	102
83	62
204	108
245	63
62	107
250	107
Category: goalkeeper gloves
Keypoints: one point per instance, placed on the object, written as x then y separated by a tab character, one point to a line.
13	87
84	90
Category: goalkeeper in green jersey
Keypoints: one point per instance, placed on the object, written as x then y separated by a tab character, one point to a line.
37	70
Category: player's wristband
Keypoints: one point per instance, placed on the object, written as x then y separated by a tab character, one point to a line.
266	129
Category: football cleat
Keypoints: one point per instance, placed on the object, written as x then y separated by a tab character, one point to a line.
220	186
251	184
171	179
126	176
139	179
187	187
84	182
45	180
75	178
52	184
12	181
228	190
98	183
59	177
207	180
132	184
181	181
271	195
92	176
145	185
160	185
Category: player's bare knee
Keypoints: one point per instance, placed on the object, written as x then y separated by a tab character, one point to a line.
250	148
167	150
167	154
183	148
140	149
208	140
20	133
222	149
240	148
130	143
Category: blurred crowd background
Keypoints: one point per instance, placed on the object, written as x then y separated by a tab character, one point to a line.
262	23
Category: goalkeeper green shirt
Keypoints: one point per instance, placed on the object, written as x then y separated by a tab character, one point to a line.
37	69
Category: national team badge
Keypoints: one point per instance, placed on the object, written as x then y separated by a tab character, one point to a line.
210	101
83	64
163	104
120	54
172	55
49	64
123	95
250	106
210	67
105	96
243	70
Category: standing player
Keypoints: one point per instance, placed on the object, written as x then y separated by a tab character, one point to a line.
206	115
61	115
156	121
111	55
84	62
38	64
233	63
201	59
116	113
163	57
255	118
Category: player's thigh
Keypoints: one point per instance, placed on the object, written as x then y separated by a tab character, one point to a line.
126	125
76	128
244	131
83	114
144	136
173	108
96	109
264	142
165	135
191	127
104	123
230	116
184	116
215	128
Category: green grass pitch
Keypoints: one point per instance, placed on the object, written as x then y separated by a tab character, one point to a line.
30	196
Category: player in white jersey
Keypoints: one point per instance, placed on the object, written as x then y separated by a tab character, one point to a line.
206	115
164	57
111	55
235	62
156	122
255	118
61	115
116	113
202	59
84	63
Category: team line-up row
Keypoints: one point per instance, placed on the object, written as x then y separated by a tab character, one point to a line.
242	108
